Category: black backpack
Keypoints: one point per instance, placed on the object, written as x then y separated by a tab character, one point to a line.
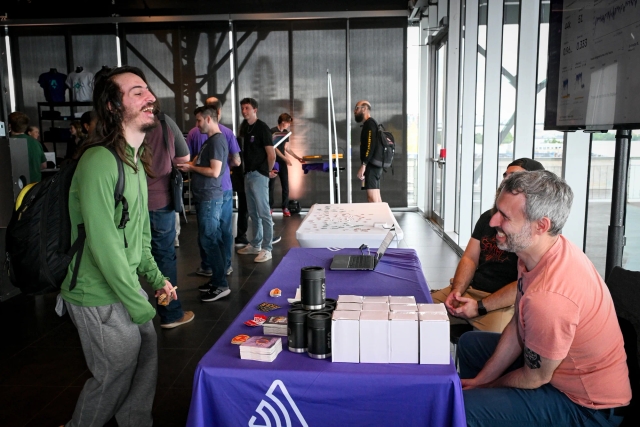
38	237
384	149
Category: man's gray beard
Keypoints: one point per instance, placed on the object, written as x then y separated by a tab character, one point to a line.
517	242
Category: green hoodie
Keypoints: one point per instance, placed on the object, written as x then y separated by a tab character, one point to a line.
108	270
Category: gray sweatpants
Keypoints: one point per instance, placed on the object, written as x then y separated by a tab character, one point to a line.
123	358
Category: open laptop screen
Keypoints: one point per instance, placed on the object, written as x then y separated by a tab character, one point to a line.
385	243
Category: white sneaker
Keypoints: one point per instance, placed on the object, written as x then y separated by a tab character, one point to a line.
249	250
263	256
229	270
176	243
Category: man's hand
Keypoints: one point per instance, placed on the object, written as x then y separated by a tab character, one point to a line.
185	167
273	173
167	289
451	303
301	160
467	307
469	383
360	174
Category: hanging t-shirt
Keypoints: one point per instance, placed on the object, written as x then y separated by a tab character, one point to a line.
53	85
81	86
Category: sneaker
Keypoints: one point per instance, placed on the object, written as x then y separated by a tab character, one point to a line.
206	287
176	243
286	212
263	256
249	250
215	294
188	317
229	271
276	239
202	272
241	240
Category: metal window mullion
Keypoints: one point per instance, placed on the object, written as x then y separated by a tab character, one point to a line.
526	89
451	114
468	121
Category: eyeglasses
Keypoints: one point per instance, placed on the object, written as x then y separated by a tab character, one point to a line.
359	107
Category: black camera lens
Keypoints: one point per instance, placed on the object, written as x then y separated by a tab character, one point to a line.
296	330
319	334
312	287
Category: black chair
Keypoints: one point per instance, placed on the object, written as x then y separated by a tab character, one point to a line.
624	286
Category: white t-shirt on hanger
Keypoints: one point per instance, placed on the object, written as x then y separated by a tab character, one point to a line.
81	86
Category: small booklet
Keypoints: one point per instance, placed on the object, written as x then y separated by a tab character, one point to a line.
264	349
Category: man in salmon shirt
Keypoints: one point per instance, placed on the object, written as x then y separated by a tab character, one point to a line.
561	359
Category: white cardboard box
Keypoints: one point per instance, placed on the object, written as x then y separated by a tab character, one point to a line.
375	306
375	299
374	337
403	337
345	336
403	307
402	300
434	338
348	306
349	298
432	308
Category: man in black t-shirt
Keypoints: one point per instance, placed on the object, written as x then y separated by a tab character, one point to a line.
369	174
483	289
259	157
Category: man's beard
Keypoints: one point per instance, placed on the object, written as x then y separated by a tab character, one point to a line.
517	242
359	117
149	126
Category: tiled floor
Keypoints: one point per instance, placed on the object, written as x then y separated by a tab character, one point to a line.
42	367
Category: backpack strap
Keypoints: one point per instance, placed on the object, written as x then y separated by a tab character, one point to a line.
163	123
118	193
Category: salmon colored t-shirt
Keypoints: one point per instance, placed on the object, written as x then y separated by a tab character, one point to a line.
565	311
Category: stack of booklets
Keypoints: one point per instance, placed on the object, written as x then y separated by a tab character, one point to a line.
275	325
262	349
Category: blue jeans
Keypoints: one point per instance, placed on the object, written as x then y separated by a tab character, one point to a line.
257	188
163	234
227	231
210	237
516	407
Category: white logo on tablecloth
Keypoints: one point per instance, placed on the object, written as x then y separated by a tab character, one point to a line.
277	384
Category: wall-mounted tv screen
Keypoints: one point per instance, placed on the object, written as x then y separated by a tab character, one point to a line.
593	76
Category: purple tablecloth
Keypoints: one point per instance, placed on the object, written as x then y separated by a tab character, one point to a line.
295	390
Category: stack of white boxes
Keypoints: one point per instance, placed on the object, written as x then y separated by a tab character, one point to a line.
390	329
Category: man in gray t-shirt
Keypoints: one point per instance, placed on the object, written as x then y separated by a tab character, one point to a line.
206	184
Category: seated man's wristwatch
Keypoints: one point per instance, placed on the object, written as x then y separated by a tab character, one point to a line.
481	309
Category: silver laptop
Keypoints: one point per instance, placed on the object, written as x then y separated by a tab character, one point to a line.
363	262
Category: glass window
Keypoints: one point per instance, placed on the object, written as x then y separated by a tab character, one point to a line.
603	146
413	113
548	145
508	84
479	131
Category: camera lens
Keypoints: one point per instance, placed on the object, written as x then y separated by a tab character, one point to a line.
312	287
319	334
296	330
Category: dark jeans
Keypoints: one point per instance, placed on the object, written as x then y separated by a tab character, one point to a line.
163	234
210	236
227	231
516	407
283	174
